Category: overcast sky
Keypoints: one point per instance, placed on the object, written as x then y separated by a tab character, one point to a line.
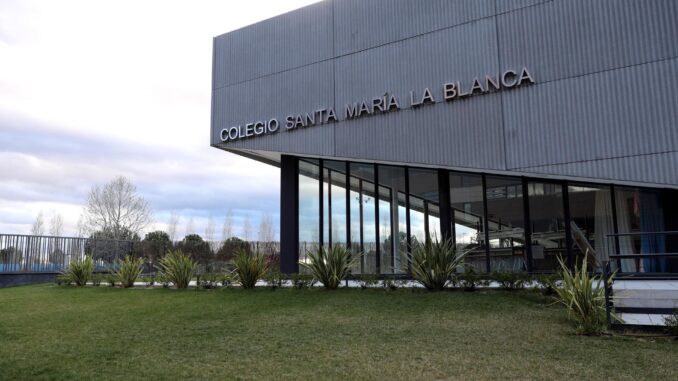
90	90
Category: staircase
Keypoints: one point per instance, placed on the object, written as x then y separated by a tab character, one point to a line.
643	302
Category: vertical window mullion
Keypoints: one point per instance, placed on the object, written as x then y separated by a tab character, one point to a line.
486	226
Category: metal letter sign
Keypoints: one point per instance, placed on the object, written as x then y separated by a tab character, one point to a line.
383	104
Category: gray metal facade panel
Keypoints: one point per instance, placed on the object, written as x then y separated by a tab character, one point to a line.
655	169
275	96
362	24
602	115
436	59
281	43
603	105
449	131
511	5
446	134
567	38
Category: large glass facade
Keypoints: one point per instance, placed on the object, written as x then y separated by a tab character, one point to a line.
424	205
640	214
335	213
468	218
547	225
392	220
499	223
363	217
309	207
506	223
590	222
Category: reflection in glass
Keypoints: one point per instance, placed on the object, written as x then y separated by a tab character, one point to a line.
392	220
309	207
363	233
547	222
506	225
468	213
424	205
590	222
640	211
336	210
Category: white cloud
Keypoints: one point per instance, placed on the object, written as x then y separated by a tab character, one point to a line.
91	90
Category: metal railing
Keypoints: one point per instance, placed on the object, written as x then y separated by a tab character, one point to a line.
46	254
647	253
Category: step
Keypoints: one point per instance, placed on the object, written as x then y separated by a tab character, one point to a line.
642	319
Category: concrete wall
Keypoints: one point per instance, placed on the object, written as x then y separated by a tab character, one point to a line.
9	280
603	106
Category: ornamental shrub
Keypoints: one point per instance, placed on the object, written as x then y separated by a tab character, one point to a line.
584	297
79	271
330	266
178	269
249	267
129	270
434	263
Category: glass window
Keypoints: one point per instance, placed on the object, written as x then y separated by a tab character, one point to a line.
590	222
424	205
547	222
640	217
468	214
392	220
363	226
506	225
309	207
335	211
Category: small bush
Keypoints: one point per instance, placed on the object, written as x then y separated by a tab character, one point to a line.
367	281
226	279
208	281
79	271
584	297
129	270
110	279
150	280
671	323
547	283
510	280
97	279
391	284
469	279
177	268
300	281
330	266
274	279
434	263
249	267
162	279
62	280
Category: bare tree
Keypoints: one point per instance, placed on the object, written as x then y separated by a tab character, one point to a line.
38	227
82	229
209	232
172	226
227	230
266	228
247	228
56	225
189	227
117	209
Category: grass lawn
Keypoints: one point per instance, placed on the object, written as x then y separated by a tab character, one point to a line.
59	333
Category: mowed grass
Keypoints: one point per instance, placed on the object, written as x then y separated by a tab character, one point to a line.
61	333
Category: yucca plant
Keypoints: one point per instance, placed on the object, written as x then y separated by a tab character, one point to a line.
129	270
584	297
434	263
249	267
177	268
330	266
79	271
